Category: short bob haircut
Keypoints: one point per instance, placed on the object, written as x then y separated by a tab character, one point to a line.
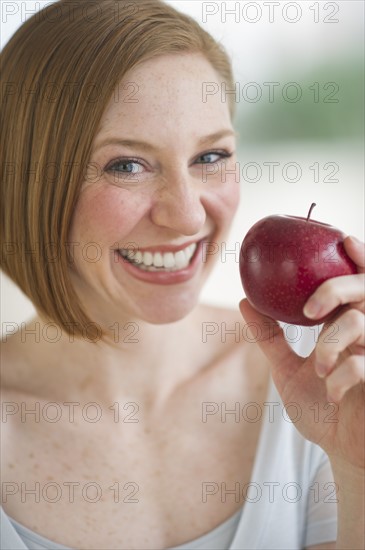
58	73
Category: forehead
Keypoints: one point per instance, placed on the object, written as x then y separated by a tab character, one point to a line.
167	96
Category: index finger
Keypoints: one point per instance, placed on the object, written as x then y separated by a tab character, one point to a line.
337	291
356	250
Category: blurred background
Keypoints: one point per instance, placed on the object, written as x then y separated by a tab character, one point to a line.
299	73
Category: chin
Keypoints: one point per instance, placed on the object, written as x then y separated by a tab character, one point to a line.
154	304
168	313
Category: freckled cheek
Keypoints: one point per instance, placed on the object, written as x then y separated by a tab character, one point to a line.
223	199
231	194
105	217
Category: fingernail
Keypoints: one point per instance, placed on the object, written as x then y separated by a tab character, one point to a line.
312	309
331	399
356	240
321	370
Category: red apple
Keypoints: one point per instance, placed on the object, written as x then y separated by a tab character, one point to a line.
283	259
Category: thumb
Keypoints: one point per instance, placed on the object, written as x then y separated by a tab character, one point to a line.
270	337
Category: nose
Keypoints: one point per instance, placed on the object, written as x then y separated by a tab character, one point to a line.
178	204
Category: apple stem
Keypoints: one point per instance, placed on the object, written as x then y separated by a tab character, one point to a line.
310	210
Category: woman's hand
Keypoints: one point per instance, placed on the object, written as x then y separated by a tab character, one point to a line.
328	387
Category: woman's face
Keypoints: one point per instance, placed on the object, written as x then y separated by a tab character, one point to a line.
162	185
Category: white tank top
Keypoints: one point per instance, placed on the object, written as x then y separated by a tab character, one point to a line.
219	538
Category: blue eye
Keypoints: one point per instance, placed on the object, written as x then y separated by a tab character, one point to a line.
125	167
213	156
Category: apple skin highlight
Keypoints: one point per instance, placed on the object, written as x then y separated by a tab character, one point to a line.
283	259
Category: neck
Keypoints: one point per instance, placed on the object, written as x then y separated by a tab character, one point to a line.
139	362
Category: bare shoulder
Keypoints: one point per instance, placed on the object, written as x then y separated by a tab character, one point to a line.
21	356
13	355
226	333
7	357
212	309
220	329
228	326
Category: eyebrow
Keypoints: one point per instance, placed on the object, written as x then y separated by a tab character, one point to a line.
143	145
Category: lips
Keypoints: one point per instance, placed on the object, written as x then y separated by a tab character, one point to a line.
163	275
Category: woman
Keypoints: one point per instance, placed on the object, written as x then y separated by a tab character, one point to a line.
117	430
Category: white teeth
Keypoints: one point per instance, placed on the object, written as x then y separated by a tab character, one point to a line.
191	250
168	260
158	260
138	258
180	259
171	261
147	258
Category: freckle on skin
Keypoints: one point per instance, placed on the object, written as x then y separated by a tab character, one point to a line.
86	382
10	465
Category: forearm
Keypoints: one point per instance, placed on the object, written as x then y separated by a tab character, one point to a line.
351	506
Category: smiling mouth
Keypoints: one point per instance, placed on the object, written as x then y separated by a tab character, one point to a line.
160	261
